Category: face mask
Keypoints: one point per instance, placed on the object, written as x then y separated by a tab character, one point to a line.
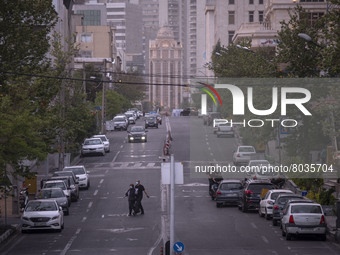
131	187
136	183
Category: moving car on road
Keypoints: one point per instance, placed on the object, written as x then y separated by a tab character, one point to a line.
137	134
42	214
93	146
151	121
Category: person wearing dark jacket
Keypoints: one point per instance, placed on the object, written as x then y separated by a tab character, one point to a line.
139	189
131	198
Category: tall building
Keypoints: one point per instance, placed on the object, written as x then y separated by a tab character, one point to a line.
165	65
96	39
224	17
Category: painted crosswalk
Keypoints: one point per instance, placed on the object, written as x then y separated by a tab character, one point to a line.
143	164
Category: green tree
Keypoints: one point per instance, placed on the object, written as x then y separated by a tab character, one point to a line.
236	62
302	59
24	99
131	85
331	32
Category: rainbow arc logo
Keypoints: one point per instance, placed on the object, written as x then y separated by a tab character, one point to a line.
209	93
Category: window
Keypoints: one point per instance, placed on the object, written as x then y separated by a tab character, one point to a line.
231	1
251	16
230	36
260	16
231	18
86	38
260	1
251	1
85	53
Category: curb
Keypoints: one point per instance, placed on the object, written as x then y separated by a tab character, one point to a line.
9	232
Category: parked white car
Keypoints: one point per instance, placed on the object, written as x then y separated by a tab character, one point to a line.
59	184
42	214
82	175
266	204
303	218
93	146
105	140
242	154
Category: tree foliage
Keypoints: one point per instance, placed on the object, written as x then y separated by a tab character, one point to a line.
24	99
302	58
236	62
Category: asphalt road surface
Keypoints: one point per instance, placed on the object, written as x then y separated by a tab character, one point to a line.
98	223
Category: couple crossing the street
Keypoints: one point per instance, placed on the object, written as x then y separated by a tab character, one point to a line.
135	196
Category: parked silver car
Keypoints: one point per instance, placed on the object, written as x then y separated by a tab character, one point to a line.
82	175
105	141
93	146
303	218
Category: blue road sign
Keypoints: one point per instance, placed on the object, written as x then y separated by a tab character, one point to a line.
179	247
98	107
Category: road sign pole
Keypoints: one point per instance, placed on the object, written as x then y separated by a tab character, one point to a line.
172	202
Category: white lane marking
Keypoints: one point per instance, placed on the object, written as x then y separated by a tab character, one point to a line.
115	157
116	215
90	205
106	171
209	148
68	245
121	230
103	216
253	225
121	146
150	164
101	181
131	239
95	192
264	239
211	154
84	219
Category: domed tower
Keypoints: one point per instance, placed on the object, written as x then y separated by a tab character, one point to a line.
165	65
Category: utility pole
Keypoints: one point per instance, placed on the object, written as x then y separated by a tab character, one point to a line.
103	99
62	128
84	82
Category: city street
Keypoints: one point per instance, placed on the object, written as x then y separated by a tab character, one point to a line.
98	222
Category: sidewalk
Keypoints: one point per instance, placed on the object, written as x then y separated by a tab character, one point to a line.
331	225
13	221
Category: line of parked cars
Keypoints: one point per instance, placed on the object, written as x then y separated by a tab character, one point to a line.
54	199
295	214
123	120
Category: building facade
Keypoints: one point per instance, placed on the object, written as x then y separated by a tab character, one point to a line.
165	65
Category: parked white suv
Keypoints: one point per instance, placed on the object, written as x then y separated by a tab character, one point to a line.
82	175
